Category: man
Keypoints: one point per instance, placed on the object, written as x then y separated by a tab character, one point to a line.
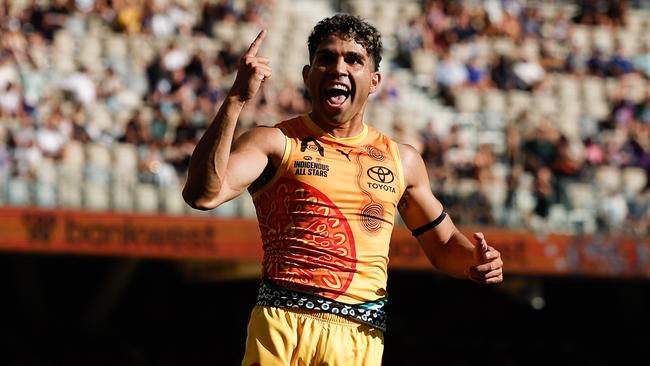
326	187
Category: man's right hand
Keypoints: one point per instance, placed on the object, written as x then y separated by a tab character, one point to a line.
253	70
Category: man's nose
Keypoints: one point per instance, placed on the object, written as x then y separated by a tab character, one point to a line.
340	66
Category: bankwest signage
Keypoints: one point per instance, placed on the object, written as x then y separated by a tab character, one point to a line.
180	237
154	236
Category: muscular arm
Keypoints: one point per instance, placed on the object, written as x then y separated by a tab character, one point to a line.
446	247
211	186
217	174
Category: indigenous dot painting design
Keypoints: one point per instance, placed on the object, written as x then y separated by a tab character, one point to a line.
372	210
372	313
374	153
307	241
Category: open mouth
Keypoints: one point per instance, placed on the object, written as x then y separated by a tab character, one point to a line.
336	94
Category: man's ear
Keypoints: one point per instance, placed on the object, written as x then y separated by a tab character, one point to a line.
305	75
375	81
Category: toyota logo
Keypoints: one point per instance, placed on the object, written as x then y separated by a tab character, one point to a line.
381	174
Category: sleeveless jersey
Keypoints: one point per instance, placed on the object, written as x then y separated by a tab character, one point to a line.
327	214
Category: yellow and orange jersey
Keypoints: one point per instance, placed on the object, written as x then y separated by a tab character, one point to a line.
327	214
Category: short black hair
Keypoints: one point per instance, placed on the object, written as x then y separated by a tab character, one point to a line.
349	27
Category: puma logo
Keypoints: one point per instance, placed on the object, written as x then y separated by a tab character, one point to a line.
347	155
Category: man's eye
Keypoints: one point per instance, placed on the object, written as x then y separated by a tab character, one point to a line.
354	61
325	59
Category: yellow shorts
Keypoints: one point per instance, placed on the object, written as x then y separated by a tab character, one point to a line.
288	337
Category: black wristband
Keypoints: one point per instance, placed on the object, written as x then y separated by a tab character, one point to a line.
424	228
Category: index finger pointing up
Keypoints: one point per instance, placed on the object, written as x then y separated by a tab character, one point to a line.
255	46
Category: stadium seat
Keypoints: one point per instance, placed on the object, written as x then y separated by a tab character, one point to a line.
518	101
468	101
98	163
18	192
227	209
581	196
172	200
46	172
146	198
494	101
634	180
95	196
602	38
124	159
70	194
245	206
608	179
582	221
424	62
45	194
122	197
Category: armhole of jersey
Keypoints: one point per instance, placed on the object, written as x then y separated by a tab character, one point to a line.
281	169
398	166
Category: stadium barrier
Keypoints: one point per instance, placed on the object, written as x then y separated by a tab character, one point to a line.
218	239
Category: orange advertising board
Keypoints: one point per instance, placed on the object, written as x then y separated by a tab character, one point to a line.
137	235
524	252
184	237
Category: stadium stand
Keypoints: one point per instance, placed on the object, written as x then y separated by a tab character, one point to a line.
540	111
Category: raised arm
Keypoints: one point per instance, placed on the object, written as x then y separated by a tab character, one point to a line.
446	247
217	174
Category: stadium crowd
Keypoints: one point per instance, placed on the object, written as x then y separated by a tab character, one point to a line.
544	107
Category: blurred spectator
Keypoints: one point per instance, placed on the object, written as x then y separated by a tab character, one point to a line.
463	30
531	22
227	60
81	85
213	12
154	169
568	158
477	73
26	153
52	137
458	155
619	64
503	74
110	85
597	63
129	16
158	127
483	165
11	101
612	211
187	52
450	76
409	38
135	132
432	147
576	62
622	110
529	72
174	58
539	148
405	135
47	20
290	101
594	152
8	71
543	192
600	12
642	60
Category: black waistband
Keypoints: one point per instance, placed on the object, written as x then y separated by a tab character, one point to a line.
370	313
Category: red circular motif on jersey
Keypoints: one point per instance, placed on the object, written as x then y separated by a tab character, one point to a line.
307	241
